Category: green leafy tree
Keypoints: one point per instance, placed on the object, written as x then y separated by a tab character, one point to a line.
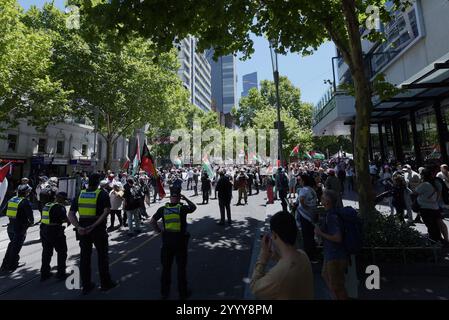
124	85
27	89
290	99
295	26
292	135
332	144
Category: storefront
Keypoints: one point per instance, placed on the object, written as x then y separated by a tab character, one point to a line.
82	165
413	126
40	165
59	167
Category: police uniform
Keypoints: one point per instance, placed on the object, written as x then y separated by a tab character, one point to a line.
53	237
175	239
21	217
90	205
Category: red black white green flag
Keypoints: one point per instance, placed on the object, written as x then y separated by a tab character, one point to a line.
147	164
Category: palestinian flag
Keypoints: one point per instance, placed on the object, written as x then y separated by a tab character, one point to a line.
4	182
316	155
305	155
125	166
136	161
295	151
207	167
147	164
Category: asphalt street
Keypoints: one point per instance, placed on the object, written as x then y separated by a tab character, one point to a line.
218	265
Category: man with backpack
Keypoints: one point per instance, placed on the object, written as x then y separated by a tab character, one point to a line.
335	262
132	206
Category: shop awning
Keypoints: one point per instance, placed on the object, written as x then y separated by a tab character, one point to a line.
421	91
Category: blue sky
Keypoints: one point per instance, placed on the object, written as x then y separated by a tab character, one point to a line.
307	73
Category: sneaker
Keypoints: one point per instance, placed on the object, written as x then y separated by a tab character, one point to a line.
109	286
88	289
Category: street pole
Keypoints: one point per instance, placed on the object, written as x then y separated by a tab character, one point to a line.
95	137
278	105
275	65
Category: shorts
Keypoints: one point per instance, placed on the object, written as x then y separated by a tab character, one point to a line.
334	273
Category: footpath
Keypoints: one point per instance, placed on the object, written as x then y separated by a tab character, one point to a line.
408	281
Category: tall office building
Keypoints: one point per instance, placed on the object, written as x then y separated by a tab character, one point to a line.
195	73
249	82
224	86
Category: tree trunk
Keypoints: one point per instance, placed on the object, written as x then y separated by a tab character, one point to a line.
364	106
109	145
361	143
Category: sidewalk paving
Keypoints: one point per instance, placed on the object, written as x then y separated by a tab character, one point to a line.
398	282
321	292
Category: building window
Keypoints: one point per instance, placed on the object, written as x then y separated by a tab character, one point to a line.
84	150
60	147
12	142
42	145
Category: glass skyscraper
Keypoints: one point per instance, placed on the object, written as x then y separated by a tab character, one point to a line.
249	82
224	83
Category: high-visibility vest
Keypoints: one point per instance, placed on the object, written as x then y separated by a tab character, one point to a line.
172	218
46	213
13	205
87	203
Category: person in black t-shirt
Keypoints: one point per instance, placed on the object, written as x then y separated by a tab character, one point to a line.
131	203
21	218
93	206
54	214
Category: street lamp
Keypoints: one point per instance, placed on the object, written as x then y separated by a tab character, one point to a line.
275	65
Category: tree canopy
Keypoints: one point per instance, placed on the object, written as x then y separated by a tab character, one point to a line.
292	26
27	88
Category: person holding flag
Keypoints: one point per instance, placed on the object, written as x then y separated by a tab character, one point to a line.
147	164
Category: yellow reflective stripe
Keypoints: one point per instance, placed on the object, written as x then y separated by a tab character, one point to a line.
87	203
13	205
173	227
171	216
46	213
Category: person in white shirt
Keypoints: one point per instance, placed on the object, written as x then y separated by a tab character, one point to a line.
444	174
306	218
116	197
350	178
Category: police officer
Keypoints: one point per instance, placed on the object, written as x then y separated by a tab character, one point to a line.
93	206
54	215
175	239
21	217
